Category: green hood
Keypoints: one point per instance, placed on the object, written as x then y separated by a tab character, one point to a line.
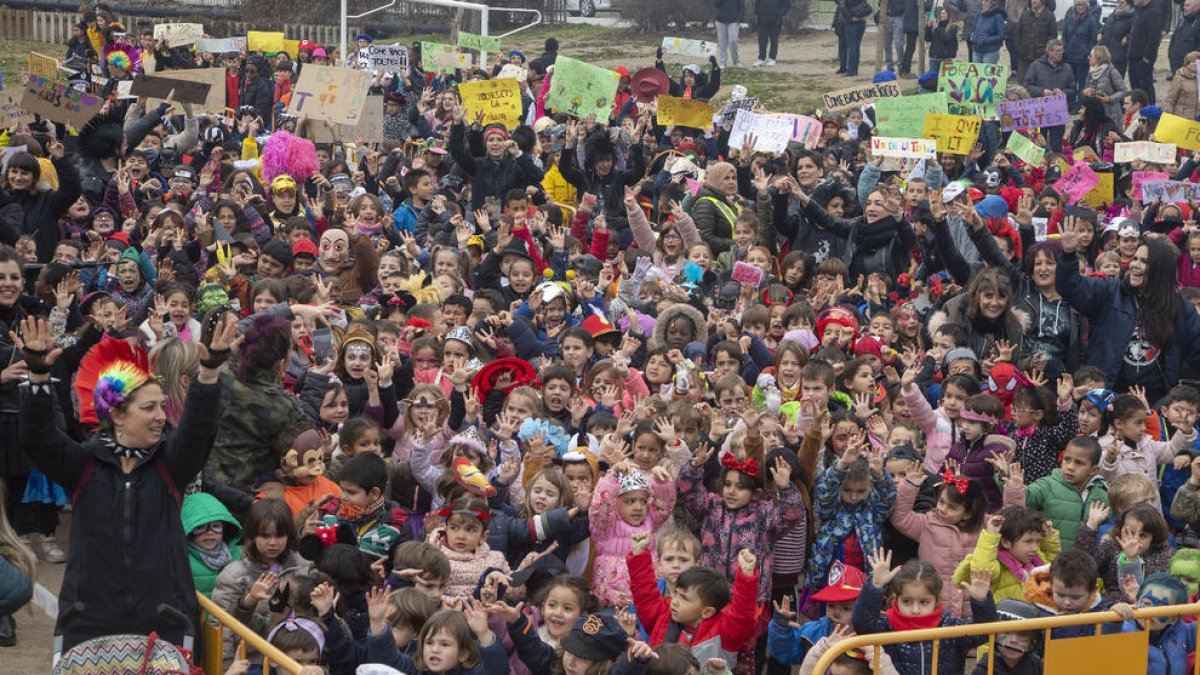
202	508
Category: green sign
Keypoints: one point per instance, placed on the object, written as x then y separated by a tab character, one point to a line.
904	116
581	89
1025	149
481	43
973	88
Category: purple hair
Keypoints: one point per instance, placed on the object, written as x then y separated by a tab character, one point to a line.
268	340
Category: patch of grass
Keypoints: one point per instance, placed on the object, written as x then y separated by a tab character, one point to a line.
14	55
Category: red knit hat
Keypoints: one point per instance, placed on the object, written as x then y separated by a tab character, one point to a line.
304	246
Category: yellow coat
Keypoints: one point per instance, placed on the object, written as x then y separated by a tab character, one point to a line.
557	187
1005	584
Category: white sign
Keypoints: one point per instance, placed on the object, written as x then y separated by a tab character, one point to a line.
221	45
388	58
686	47
7	152
915	148
177	34
512	71
1155	153
771	133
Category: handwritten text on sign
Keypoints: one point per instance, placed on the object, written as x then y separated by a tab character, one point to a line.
901	116
974	88
918	148
1031	113
1169	191
55	101
388	58
771	133
686	47
332	94
955	134
1155	153
499	100
856	96
1025	149
1182	132
674	111
581	89
1077	182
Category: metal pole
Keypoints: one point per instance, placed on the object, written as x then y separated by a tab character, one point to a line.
342	33
483	30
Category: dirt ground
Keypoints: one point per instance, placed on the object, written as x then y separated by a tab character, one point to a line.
35	630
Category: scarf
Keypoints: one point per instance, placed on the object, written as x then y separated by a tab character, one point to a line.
353	513
1096	72
1021	572
215	559
901	622
791	393
368	228
873	236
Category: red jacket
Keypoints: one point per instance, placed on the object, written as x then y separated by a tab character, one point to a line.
721	636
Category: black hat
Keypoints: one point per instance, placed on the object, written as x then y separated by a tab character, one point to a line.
596	638
516	247
904	451
587	265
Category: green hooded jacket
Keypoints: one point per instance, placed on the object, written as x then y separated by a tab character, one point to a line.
199	509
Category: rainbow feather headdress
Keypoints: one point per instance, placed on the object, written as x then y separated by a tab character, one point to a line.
109	373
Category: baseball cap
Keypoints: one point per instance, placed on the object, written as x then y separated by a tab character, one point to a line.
844	584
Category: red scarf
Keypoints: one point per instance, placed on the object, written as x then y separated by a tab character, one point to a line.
901	622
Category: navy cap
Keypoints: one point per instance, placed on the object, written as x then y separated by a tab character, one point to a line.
596	638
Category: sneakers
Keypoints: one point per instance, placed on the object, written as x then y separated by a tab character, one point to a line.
48	550
757	63
770	63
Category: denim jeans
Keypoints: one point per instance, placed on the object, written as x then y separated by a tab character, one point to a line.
987	57
854	34
895	40
727	39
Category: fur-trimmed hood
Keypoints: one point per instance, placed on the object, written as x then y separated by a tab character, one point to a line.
669	314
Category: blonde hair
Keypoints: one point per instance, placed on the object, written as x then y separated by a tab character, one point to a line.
1128	490
676	538
172	359
11	548
1103	55
554	476
1190	58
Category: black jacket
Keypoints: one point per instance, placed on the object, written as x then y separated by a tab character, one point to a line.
491	178
1186	38
128	551
943	41
1145	34
1117	28
260	94
43	209
729	11
771	11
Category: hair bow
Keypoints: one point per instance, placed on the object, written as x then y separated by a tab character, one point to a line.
959	482
748	466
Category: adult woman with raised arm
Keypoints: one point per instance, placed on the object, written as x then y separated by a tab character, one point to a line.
128	549
1142	331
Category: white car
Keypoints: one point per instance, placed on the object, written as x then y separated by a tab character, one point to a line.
588	7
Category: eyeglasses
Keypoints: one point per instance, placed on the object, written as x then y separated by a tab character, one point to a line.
1022	411
216	527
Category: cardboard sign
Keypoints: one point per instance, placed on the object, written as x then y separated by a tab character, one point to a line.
41	65
264	41
973	88
7	152
328	93
859	96
729	110
771	133
1077	182
899	117
745	273
581	89
1169	191
11	112
680	112
498	100
685	47
369	127
511	71
55	101
806	130
178	34
220	45
916	148
1025	149
151	86
1034	113
213	77
955	134
1155	153
440	58
1140	177
1102	194
388	58
482	43
1182	132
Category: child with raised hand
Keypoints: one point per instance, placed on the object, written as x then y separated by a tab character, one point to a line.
627	501
1062	494
462	538
852	500
1014	543
939	426
702	612
1136	547
1041	426
790	642
451	641
916	588
856	662
746	515
1129	449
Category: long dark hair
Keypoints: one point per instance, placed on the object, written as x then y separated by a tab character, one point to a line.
1160	303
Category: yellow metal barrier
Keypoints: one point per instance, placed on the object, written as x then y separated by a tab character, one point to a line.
212	636
1062	656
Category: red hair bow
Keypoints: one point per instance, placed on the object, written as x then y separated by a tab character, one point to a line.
748	466
960	482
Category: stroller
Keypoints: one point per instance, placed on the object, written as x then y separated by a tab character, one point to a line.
127	654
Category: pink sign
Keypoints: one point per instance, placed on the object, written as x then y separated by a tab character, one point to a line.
745	273
1031	113
1077	182
1140	177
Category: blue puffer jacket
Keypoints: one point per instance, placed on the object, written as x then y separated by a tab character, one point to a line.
1169	650
1112	310
916	658
988	32
1079	36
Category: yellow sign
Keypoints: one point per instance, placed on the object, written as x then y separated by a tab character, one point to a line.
498	100
264	41
1182	132
42	66
955	134
292	48
684	112
1102	194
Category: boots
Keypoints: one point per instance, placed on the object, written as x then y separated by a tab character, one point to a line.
8	631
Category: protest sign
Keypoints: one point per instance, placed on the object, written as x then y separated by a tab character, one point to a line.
1033	113
1102	194
1155	153
901	116
729	110
861	95
1140	177
151	86
513	72
685	47
369	127
807	130
681	112
955	134
973	88
328	93
178	34
221	45
771	133
437	57
1169	190
11	112
919	148
1076	182
291	48
55	101
498	100
1041	228
581	89
1025	149
264	41
482	43
41	65
388	58
1182	132
7	152
213	77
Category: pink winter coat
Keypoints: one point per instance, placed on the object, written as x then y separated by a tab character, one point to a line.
610	536
648	242
937	427
1146	457
942	545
